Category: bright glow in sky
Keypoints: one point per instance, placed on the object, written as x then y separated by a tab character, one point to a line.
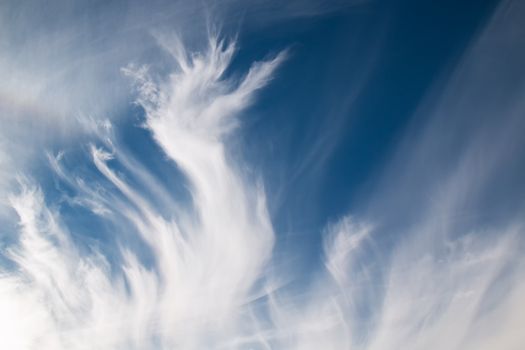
262	175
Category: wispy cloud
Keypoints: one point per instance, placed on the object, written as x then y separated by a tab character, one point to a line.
199	273
206	264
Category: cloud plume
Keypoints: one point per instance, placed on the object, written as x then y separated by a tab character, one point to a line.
206	262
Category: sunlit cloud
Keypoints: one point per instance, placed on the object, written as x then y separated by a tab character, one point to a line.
194	267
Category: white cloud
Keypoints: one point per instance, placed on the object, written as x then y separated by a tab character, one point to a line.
208	284
206	264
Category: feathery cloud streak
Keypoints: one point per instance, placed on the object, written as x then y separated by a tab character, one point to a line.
199	277
205	265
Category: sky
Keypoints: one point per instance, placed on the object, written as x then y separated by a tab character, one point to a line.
303	174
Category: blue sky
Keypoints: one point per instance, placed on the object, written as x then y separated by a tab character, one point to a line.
262	175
